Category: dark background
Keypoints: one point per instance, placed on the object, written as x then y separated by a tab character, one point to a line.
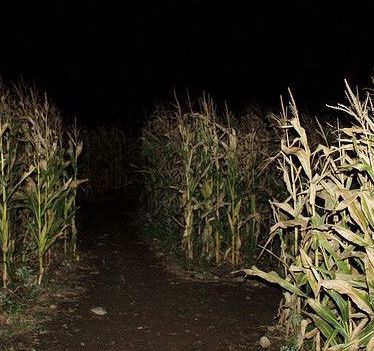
110	61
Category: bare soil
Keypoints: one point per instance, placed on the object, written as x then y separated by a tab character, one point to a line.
148	306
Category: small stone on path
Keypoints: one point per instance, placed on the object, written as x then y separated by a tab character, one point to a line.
99	311
265	342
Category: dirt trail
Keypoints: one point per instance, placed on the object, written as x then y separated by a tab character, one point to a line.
148	308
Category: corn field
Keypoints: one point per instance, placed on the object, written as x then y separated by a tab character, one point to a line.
326	228
39	178
203	181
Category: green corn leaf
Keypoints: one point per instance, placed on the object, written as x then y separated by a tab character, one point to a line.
313	277
323	239
327	315
367	205
369	273
343	308
358	296
364	338
350	236
364	166
273	277
370	345
318	221
331	340
357	281
325	328
313	283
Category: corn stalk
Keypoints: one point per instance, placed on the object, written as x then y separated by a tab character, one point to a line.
326	229
197	168
48	190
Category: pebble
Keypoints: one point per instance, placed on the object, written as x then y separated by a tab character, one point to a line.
99	311
265	342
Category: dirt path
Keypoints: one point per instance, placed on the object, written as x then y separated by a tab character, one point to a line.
148	308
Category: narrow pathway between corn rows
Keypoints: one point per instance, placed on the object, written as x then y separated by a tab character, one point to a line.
148	308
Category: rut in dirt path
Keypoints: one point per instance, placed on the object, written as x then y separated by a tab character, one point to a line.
148	308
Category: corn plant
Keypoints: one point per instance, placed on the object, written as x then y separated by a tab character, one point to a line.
326	227
196	172
75	147
49	192
161	172
38	178
11	177
46	195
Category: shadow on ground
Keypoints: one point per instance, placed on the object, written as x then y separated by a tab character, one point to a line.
148	308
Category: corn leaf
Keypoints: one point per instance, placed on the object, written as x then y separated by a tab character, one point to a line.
326	314
358	296
273	277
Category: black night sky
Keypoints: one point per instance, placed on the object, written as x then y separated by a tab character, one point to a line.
109	61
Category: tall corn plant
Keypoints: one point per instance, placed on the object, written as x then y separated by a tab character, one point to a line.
256	142
212	182
196	173
11	177
74	149
201	186
162	173
326	229
49	189
38	178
